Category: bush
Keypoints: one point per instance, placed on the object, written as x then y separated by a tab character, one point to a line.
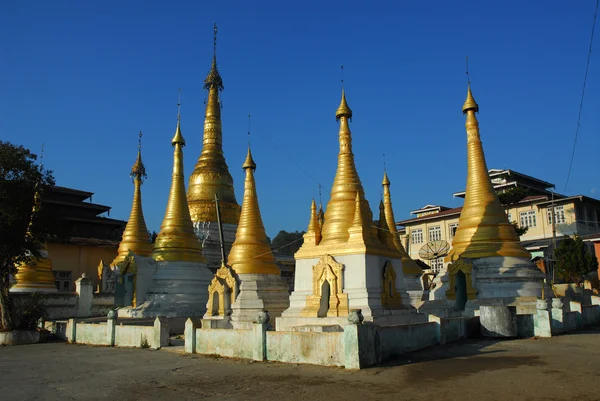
28	310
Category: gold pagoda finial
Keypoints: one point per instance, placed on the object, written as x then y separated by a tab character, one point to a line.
176	240
470	103
213	79
138	169
250	252
483	226
409	266
135	236
249	162
211	174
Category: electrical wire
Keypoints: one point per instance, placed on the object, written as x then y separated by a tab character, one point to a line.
582	96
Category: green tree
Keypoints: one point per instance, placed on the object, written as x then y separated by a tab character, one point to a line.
574	260
286	243
519	230
23	229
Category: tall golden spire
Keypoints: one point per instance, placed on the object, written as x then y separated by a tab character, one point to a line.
409	266
385	234
211	174
176	240
251	253
313	233
135	236
346	185
483	227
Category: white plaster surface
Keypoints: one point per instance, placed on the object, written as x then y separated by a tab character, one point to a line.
179	289
259	292
361	276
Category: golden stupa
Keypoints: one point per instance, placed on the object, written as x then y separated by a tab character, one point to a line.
409	266
483	227
250	252
135	237
211	175
35	275
348	221
176	240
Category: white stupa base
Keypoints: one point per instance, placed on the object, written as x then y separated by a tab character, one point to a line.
362	282
414	288
179	289
259	292
497	280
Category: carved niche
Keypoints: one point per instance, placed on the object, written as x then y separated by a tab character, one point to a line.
330	271
390	299
467	269
225	286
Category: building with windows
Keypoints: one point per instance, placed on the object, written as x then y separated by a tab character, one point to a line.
528	202
90	236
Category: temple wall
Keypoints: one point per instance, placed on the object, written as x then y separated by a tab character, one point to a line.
121	335
80	259
305	347
225	342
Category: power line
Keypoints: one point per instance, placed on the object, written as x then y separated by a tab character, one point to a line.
582	95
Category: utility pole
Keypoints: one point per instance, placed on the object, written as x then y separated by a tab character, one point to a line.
223	261
553	239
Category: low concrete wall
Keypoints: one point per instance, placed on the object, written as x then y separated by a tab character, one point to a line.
590	314
92	333
102	304
129	335
305	347
135	336
225	342
356	347
398	340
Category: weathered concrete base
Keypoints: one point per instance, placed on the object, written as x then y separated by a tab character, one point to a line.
19	337
354	346
390	318
259	292
113	334
178	290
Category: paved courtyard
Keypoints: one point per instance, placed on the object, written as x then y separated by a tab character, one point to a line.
561	368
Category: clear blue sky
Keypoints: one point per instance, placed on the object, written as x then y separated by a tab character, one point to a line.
85	77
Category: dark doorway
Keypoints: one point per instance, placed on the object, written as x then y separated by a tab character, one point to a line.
325	294
461	290
215	304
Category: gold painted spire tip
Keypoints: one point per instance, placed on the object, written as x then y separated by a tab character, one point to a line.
213	77
343	110
249	162
386	180
138	170
470	103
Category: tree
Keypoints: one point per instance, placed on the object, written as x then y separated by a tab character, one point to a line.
519	230
512	195
574	260
286	243
23	229
152	236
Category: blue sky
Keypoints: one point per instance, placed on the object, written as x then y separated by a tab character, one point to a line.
85	77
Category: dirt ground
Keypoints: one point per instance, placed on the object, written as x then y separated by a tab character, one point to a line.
561	368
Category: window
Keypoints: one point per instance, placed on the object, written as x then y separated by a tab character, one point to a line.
528	218
509	215
417	236
437	264
452	227
62	280
435	233
559	212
